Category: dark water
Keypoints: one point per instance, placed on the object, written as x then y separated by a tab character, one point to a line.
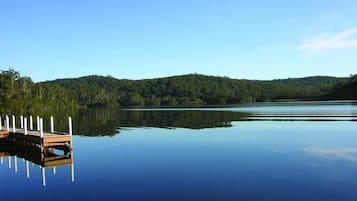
280	151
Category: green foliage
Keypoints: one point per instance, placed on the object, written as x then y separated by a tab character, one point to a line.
354	78
344	91
21	95
191	90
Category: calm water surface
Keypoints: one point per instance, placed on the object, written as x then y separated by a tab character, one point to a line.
280	151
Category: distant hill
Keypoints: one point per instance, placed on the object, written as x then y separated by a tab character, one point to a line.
20	94
347	91
100	91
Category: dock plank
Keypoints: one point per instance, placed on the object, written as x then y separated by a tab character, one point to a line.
4	134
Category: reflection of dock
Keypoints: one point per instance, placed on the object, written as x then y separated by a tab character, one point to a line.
44	157
35	145
47	158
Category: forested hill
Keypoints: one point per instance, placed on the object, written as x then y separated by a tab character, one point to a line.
344	92
20	93
99	91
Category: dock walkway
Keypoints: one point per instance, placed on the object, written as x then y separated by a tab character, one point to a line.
36	137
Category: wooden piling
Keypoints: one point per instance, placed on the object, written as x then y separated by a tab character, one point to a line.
21	121
41	127
31	123
38	123
70	125
25	126
7	123
13	124
52	125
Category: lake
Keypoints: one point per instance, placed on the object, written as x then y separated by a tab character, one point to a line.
262	151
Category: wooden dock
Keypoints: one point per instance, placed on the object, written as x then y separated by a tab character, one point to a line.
35	145
35	137
54	140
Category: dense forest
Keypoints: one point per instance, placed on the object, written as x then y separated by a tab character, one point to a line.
344	92
193	89
21	94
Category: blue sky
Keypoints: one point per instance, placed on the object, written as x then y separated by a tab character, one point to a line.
137	39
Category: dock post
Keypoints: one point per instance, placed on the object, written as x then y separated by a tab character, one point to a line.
25	125
31	123
0	123
7	123
54	170
1	160
13	124
52	125
21	121
70	125
38	123
41	127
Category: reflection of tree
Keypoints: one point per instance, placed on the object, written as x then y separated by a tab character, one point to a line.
108	122
178	119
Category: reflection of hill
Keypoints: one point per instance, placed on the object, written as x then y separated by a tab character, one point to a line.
108	122
179	119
